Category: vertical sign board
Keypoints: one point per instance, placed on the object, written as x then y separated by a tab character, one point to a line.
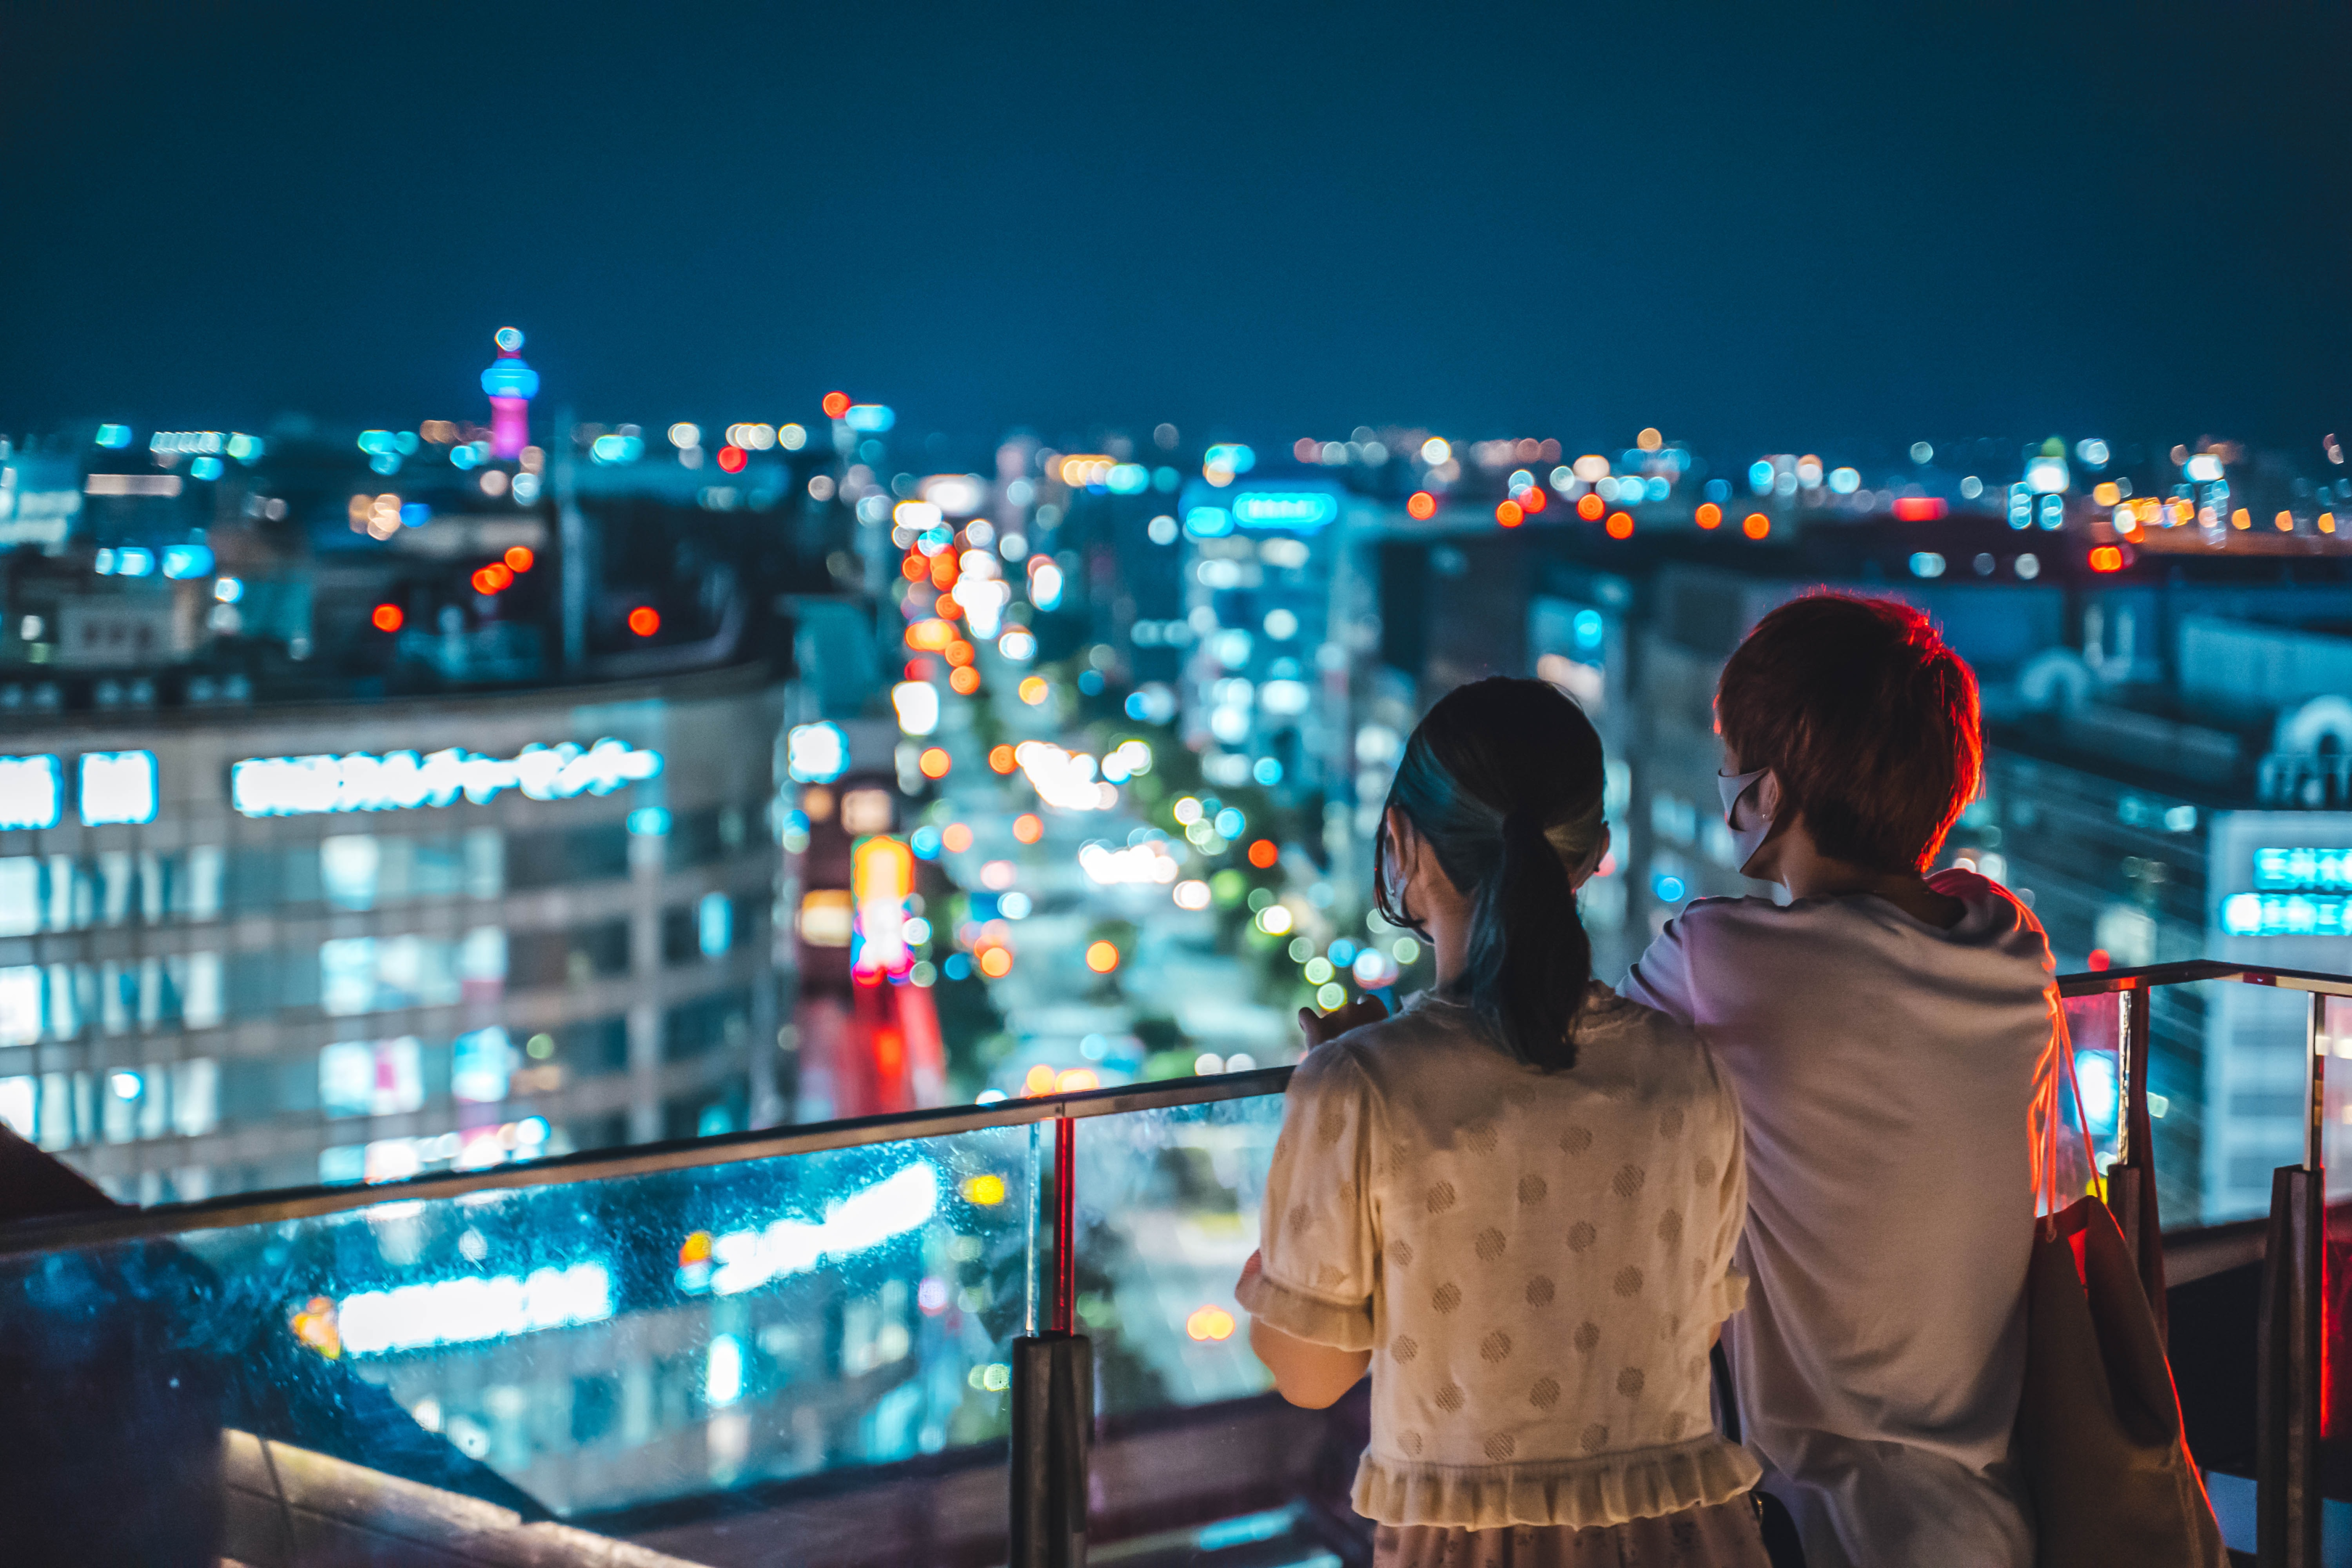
2278	895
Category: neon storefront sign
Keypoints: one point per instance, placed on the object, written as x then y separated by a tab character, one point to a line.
403	780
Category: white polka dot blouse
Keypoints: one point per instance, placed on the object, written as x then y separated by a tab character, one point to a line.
1538	1263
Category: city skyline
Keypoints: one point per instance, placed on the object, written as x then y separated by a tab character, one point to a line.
1234	224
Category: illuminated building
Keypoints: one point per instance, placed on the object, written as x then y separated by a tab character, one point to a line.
271	947
511	385
869	1033
1264	694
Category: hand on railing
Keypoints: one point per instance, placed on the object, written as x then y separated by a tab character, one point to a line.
1321	1028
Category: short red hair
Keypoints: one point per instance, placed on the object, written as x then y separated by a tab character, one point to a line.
1868	719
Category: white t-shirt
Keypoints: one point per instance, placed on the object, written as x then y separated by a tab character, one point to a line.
1885	1071
1537	1262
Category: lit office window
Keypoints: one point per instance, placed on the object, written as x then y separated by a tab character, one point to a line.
19	1097
371	1077
20	1005
20	894
715	923
117	786
195	1098
484	1062
348	867
346	976
32	791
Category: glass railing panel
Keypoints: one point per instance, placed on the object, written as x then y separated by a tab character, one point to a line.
1168	1212
2094	1024
2228	1089
586	1348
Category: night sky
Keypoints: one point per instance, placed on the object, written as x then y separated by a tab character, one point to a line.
1753	232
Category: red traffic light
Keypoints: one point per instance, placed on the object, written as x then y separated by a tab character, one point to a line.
644	620
386	618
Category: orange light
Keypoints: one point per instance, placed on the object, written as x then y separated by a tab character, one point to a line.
2242	517
1072	1081
1034	690
1532	499
836	404
1590	507
1027	828
957	836
943	570
1509	515
1040	1079
935	762
2106	493
881	869
960	653
930	634
1708	515
2326	522
965	681
996	962
2284	523
315	1325
1620	525
386	618
1102	957
1421	505
497	575
2107	558
949	609
1210	1323
915	567
695	1249
1001	759
1755	525
1264	853
732	459
520	559
644	620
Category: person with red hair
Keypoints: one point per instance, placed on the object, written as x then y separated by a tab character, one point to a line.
1883	1027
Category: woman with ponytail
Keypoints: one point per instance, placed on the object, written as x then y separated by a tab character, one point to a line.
1514	1202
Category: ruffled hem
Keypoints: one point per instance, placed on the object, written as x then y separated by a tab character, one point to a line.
1304	1316
1607	1489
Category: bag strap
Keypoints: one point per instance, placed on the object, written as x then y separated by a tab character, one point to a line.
2045	1146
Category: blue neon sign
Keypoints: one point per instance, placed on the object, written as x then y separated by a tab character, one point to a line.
1301	512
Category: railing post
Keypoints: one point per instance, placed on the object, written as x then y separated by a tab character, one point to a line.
2288	1456
2131	1179
1052	1398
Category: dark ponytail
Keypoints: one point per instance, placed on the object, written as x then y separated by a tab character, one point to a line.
1504	780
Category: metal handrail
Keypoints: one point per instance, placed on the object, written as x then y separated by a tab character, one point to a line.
2097	981
52	1235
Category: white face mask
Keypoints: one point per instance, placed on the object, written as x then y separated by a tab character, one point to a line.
1746	841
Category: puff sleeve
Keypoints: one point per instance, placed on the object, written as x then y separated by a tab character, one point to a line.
1318	1236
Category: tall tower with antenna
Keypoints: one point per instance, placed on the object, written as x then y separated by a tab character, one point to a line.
512	385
